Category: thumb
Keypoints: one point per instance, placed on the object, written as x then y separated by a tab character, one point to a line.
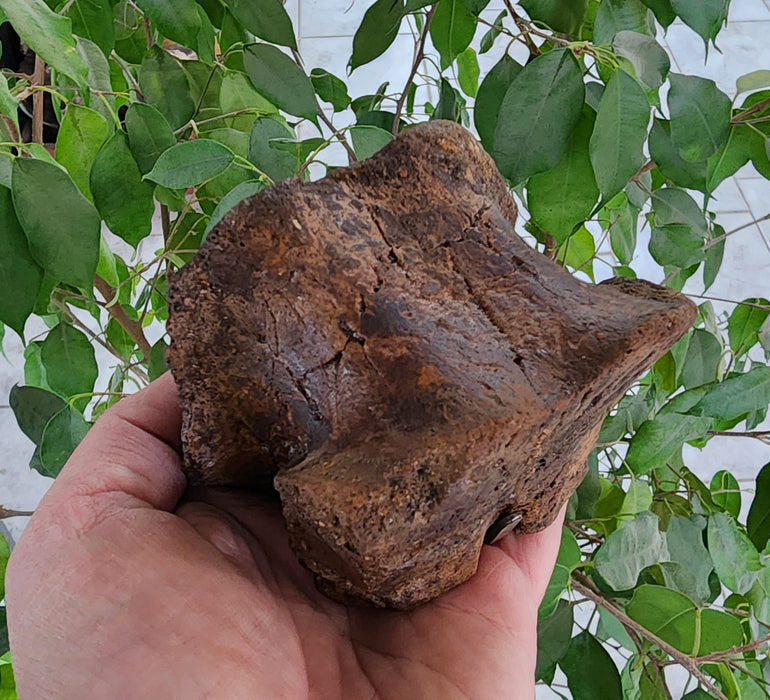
130	458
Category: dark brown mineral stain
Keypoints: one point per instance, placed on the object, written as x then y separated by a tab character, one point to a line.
384	349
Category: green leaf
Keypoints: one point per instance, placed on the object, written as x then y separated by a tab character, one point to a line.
637	500
736	559
680	229
69	361
190	163
700	116
744	324
468	72
540	111
684	541
553	638
276	164
82	133
569	557
489	38
726	493
62	434
123	198
266	19
367	140
157	365
701	362
614	16
33	408
758	523
447	107
48	34
564	196
736	396
149	135
94	20
378	30
61	225
634	546
623	224
9	106
164	85
756	80
663	10
563	16
619	134
649	59
231	200
706	17
330	89
578	252
452	29
20	276
658	439
280	80
591	673
730	158
177	20
674	618
490	98
676	169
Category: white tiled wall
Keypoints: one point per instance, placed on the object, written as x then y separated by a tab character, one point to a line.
325	31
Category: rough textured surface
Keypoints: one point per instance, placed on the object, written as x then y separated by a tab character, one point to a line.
383	348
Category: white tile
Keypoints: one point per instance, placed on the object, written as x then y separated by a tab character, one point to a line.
728	198
744	48
292	8
20	487
756	192
338	18
748	11
742	457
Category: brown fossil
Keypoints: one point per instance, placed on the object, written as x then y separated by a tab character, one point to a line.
383	348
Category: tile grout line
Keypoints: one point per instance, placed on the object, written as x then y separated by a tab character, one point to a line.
753	216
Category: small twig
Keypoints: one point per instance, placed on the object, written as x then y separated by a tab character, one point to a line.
148	33
719	239
128	75
64	9
138	371
7	513
352	158
38	102
761	435
718	656
419	55
583	585
165	220
133	328
741	117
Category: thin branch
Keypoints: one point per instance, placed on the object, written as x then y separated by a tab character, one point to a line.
352	158
419	55
7	513
138	371
719	239
741	118
133	328
38	102
761	435
165	220
718	656
584	586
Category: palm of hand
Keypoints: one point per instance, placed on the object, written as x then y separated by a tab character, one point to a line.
112	595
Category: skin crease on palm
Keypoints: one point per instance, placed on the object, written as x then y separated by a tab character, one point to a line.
125	585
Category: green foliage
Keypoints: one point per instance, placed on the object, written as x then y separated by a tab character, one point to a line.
143	132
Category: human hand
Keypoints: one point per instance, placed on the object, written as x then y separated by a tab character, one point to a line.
125	586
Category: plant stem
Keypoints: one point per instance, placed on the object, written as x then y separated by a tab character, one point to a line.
739	118
140	373
7	513
38	101
419	55
352	158
133	328
583	585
